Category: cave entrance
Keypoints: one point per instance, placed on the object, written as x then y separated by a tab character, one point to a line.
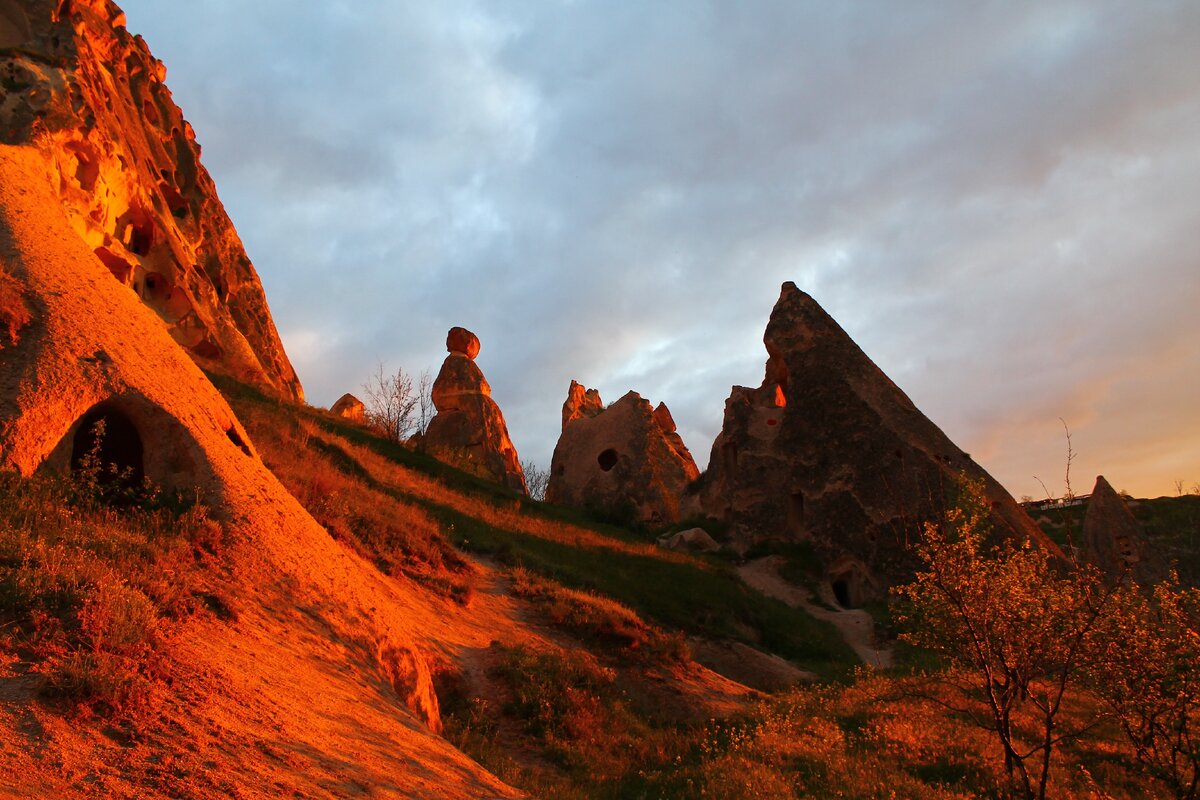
841	592
108	448
607	460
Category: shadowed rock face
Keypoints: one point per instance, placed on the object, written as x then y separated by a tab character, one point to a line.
829	451
626	457
468	430
1114	541
125	164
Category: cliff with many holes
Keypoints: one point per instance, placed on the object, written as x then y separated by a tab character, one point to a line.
91	97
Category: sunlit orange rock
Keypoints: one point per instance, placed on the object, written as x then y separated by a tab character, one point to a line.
624	460
468	429
91	98
350	407
830	452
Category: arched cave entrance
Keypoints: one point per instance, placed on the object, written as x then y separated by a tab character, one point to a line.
841	593
607	460
107	444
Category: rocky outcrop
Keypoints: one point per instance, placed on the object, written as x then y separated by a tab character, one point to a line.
468	430
581	403
1114	541
829	451
350	407
126	169
625	460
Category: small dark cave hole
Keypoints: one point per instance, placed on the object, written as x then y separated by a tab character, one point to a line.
108	446
607	460
233	437
841	592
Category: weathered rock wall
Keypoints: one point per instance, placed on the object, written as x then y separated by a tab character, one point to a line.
626	458
829	451
81	89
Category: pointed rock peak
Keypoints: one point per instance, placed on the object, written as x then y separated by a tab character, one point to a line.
581	403
829	451
350	407
662	416
1113	539
463	342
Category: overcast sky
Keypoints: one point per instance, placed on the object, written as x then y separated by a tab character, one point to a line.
999	201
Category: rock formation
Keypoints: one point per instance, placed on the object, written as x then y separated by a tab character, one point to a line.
1114	541
468	430
626	458
350	407
126	170
829	451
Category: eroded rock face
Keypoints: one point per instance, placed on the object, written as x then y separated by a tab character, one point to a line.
1114	541
829	451
126	167
468	429
626	458
350	407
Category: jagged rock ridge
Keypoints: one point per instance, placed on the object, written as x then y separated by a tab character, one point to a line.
624	458
127	170
829	451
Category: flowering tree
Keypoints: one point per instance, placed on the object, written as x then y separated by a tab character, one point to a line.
1016	628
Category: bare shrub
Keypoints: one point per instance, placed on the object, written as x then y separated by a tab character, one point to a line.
399	406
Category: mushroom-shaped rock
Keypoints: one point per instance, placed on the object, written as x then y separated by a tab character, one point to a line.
1114	541
463	342
350	407
619	459
468	430
829	451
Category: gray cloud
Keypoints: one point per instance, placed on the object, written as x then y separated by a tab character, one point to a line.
997	200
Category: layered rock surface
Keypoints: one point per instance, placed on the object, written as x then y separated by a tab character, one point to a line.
626	458
91	98
829	451
1114	541
468	429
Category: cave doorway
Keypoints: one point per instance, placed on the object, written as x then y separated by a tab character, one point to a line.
841	593
107	449
607	460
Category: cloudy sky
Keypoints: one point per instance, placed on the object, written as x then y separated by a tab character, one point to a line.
999	201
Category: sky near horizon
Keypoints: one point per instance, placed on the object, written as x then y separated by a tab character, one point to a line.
999	201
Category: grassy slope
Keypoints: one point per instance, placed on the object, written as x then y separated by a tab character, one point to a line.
697	596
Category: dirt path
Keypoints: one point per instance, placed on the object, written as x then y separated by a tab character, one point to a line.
856	626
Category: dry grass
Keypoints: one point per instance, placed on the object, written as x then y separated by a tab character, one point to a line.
89	594
599	620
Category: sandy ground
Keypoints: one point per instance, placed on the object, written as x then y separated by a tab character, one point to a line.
856	626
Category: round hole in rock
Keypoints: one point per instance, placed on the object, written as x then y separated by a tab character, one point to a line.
607	460
107	444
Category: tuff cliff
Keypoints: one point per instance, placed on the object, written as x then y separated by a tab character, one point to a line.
829	450
91	98
624	458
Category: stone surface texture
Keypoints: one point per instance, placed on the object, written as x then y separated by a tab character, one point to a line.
625	460
350	407
830	452
468	430
126	167
1114	541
